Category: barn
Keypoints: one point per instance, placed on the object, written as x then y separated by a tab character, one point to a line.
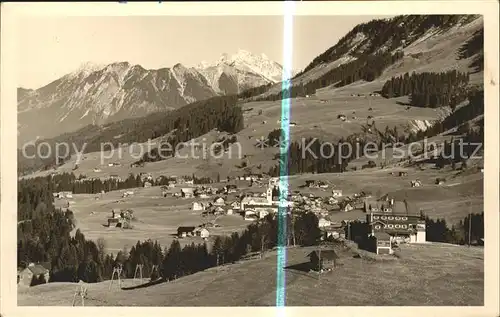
34	274
323	259
185	231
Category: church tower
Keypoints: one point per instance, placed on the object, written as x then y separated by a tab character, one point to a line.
269	194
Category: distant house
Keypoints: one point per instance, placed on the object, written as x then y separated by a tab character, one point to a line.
416	183
335	230
346	206
202	232
250	215
34	274
198	206
235	205
382	243
254	201
219	201
337	193
187	192
323	223
218	210
263	213
440	181
147	184
185	231
97	170
332	201
323	259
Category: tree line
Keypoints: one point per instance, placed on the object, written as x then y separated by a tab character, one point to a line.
429	89
43	235
474	47
439	231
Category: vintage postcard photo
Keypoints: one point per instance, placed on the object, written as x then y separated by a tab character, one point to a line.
326	154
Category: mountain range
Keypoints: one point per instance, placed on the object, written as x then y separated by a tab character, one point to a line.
98	94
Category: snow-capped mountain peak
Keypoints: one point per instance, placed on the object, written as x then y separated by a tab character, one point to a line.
88	68
245	61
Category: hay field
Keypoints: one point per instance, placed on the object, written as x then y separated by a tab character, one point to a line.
157	218
423	275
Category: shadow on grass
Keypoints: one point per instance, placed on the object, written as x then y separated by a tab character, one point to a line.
402	103
150	283
303	267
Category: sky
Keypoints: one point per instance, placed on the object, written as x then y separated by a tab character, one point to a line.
50	47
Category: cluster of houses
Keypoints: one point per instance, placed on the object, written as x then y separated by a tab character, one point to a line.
251	206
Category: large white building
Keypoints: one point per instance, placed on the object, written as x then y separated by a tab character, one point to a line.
262	206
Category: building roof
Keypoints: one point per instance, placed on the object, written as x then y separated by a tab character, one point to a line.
187	190
39	268
399	208
325	254
254	200
382	235
185	229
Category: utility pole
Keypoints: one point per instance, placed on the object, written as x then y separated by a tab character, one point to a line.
319	264
470	226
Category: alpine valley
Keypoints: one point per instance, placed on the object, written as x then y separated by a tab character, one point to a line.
98	94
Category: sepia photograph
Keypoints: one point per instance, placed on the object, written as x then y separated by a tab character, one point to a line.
294	158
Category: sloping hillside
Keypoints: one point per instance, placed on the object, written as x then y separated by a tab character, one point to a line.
429	43
422	276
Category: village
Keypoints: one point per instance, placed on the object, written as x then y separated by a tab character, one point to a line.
253	197
388	223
